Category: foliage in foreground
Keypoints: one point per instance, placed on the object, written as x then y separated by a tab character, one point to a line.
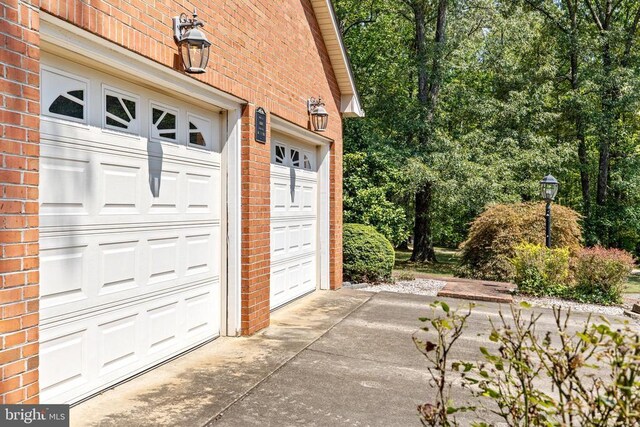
594	371
367	255
495	234
598	275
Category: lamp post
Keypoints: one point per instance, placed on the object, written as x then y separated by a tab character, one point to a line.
548	191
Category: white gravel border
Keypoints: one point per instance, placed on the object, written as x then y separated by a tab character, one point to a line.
431	287
418	287
548	302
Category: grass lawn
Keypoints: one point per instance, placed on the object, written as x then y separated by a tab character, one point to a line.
447	260
633	284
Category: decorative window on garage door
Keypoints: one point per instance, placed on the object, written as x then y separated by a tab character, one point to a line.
120	111
199	132
280	154
307	162
295	158
164	123
65	95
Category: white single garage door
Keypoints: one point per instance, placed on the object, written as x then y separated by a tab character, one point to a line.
130	244
294	220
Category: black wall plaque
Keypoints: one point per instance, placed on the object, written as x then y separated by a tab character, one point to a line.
261	125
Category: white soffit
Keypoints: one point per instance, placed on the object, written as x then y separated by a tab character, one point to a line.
350	102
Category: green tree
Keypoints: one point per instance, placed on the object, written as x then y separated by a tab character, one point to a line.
471	102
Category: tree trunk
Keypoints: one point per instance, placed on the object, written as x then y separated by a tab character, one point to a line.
429	82
578	118
421	54
607	126
438	54
422	240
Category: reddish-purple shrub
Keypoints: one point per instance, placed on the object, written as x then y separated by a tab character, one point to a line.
601	274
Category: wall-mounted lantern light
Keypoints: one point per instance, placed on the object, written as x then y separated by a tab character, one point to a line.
319	116
192	43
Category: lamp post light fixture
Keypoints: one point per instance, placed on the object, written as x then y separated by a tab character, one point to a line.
319	116
548	191
192	43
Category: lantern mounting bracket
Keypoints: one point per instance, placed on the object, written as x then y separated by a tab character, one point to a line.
182	23
313	104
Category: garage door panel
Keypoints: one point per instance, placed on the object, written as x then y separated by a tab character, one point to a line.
162	327
279	196
80	357
292	278
64	186
119	267
117	343
63	269
278	284
164	186
163	259
120	188
85	271
64	361
81	190
199	248
292	237
199	314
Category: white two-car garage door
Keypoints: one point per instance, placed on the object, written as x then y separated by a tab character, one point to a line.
294	219
130	244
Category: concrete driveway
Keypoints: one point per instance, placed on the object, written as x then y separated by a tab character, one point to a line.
330	359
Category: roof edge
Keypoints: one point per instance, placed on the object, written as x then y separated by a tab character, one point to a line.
350	101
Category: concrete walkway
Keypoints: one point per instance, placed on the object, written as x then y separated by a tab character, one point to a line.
342	358
193	389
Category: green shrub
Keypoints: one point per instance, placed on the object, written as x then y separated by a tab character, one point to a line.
540	271
494	235
601	274
373	187
368	255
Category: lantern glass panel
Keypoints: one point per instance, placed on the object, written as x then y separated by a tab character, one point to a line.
184	54
324	121
205	56
549	191
320	122
195	55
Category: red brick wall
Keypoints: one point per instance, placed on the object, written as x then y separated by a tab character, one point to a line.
335	216
270	54
256	212
19	124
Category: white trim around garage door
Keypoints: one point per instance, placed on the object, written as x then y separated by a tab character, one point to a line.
66	40
324	144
